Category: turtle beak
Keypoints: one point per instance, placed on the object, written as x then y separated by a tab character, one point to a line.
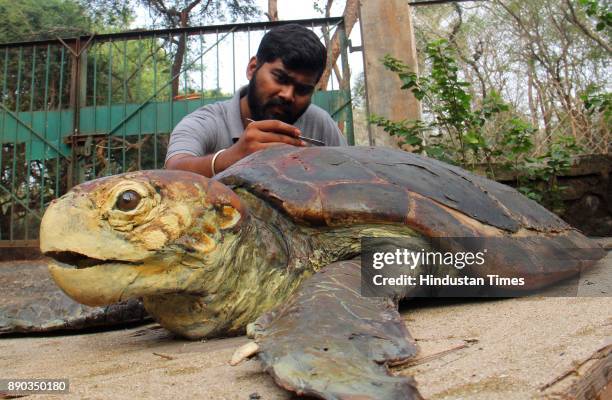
95	286
72	224
92	263
113	282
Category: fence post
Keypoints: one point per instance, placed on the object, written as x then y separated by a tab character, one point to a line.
395	36
75	94
346	85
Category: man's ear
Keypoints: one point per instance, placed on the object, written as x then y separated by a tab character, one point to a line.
251	67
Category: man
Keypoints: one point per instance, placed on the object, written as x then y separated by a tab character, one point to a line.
273	109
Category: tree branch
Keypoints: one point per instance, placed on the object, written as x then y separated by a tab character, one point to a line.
574	19
350	17
193	4
272	13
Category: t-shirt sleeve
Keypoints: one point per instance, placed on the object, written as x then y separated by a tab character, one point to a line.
333	135
195	134
323	127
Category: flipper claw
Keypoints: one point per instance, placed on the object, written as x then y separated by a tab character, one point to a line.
244	352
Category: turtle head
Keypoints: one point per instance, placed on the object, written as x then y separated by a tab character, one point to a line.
138	234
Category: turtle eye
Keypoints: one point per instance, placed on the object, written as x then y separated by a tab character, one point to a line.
128	200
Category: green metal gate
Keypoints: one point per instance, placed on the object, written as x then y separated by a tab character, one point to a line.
76	109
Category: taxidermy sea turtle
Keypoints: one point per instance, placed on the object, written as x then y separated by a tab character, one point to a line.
271	243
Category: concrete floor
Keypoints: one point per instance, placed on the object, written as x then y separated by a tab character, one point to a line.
488	349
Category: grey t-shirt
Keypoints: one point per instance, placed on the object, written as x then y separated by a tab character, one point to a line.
217	126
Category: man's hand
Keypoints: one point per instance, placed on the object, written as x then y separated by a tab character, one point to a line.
258	135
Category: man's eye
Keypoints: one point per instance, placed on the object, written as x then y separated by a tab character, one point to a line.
282	79
303	90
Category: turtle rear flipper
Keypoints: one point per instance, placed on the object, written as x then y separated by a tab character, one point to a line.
330	342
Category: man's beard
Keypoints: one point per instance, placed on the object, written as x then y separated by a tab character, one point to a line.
260	110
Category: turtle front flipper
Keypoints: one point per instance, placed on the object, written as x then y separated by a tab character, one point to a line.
31	302
330	342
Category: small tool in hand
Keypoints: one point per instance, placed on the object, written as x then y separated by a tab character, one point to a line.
304	138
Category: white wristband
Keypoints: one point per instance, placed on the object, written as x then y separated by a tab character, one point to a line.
212	163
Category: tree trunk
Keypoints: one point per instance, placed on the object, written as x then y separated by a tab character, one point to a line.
351	11
177	64
272	13
532	107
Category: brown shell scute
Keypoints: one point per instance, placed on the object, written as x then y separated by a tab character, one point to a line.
337	185
345	203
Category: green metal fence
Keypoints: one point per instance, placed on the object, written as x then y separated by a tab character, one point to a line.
76	109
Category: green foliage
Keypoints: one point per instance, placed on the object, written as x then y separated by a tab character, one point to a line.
600	11
133	69
109	15
33	20
451	107
457	131
408	130
167	13
537	177
598	101
358	91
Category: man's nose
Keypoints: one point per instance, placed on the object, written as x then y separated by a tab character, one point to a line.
287	93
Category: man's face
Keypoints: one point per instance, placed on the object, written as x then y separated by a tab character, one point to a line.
276	92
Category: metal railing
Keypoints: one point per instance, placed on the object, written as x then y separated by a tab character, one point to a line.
75	109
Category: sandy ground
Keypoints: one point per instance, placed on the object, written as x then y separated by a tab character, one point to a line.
486	349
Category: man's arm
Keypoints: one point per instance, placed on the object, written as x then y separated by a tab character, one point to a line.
257	136
187	162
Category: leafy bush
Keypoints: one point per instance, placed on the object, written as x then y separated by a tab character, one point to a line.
458	132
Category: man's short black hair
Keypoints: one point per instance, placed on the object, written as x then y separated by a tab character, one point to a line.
298	47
